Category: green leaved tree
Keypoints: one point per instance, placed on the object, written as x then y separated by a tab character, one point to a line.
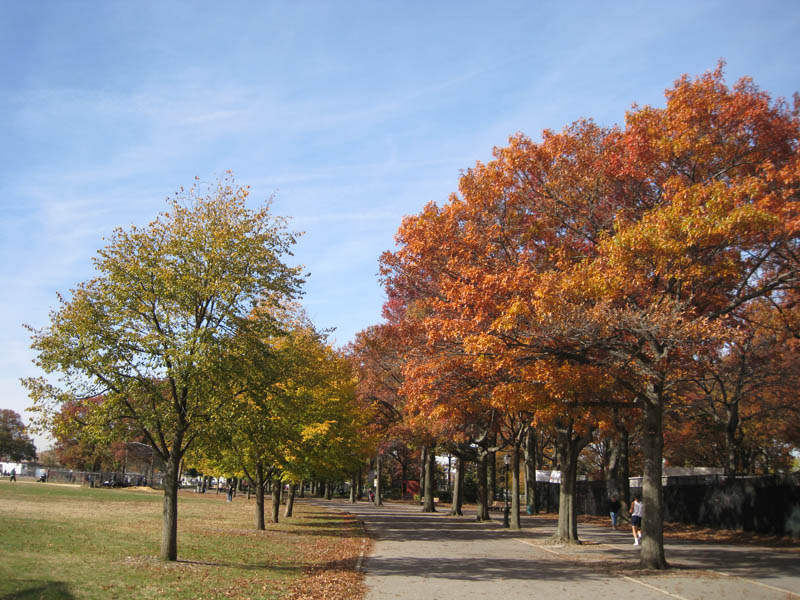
154	330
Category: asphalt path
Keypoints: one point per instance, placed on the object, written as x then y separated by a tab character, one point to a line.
439	557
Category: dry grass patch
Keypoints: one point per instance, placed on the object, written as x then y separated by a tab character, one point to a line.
72	542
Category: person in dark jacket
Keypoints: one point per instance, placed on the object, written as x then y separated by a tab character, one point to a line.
614	507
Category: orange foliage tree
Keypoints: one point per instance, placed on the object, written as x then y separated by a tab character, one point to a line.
631	251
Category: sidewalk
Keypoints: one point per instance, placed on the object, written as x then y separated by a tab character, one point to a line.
438	557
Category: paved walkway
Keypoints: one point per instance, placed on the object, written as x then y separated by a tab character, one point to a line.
437	557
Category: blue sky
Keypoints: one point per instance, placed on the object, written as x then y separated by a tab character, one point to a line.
352	114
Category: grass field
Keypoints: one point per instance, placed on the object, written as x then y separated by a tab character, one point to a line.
65	542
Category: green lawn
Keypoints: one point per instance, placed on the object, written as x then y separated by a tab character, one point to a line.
74	542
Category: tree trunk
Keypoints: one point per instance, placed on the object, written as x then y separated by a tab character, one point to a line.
652	555
570	446
422	469
353	489
530	470
260	485
492	482
730	440
624	465
169	530
515	521
483	495
290	500
328	489
613	487
302	489
458	489
429	505
277	486
378	482
617	475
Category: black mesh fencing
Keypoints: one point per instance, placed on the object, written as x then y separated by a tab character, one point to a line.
768	505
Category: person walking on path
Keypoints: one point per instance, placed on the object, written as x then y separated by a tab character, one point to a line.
637	510
13	476
230	493
613	509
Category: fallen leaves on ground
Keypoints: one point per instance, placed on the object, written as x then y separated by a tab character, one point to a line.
333	574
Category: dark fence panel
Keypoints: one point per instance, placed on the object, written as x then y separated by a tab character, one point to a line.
769	505
763	505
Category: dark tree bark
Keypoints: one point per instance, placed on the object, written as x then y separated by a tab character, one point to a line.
378	482
458	489
652	555
483	493
290	500
430	481
618	472
530	470
328	489
492	474
353	488
277	486
260	484
422	470
570	445
514	522
169	531
731	441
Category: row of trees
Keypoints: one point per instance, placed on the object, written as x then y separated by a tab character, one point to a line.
585	286
575	291
188	340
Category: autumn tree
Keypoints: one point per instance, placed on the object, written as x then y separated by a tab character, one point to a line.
292	413
461	266
153	330
692	216
740	397
630	250
81	447
740	388
376	356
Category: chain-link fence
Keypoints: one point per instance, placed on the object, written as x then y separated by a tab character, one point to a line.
153	479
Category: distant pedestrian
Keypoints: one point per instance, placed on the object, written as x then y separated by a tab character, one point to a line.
371	496
637	511
614	507
230	493
13	476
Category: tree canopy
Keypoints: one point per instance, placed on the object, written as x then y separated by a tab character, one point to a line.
15	443
153	332
606	267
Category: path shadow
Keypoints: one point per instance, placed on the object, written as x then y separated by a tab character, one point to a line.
484	569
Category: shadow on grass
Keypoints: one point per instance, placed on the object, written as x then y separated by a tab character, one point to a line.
39	590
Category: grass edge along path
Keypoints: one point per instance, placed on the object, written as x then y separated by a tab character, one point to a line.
74	542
